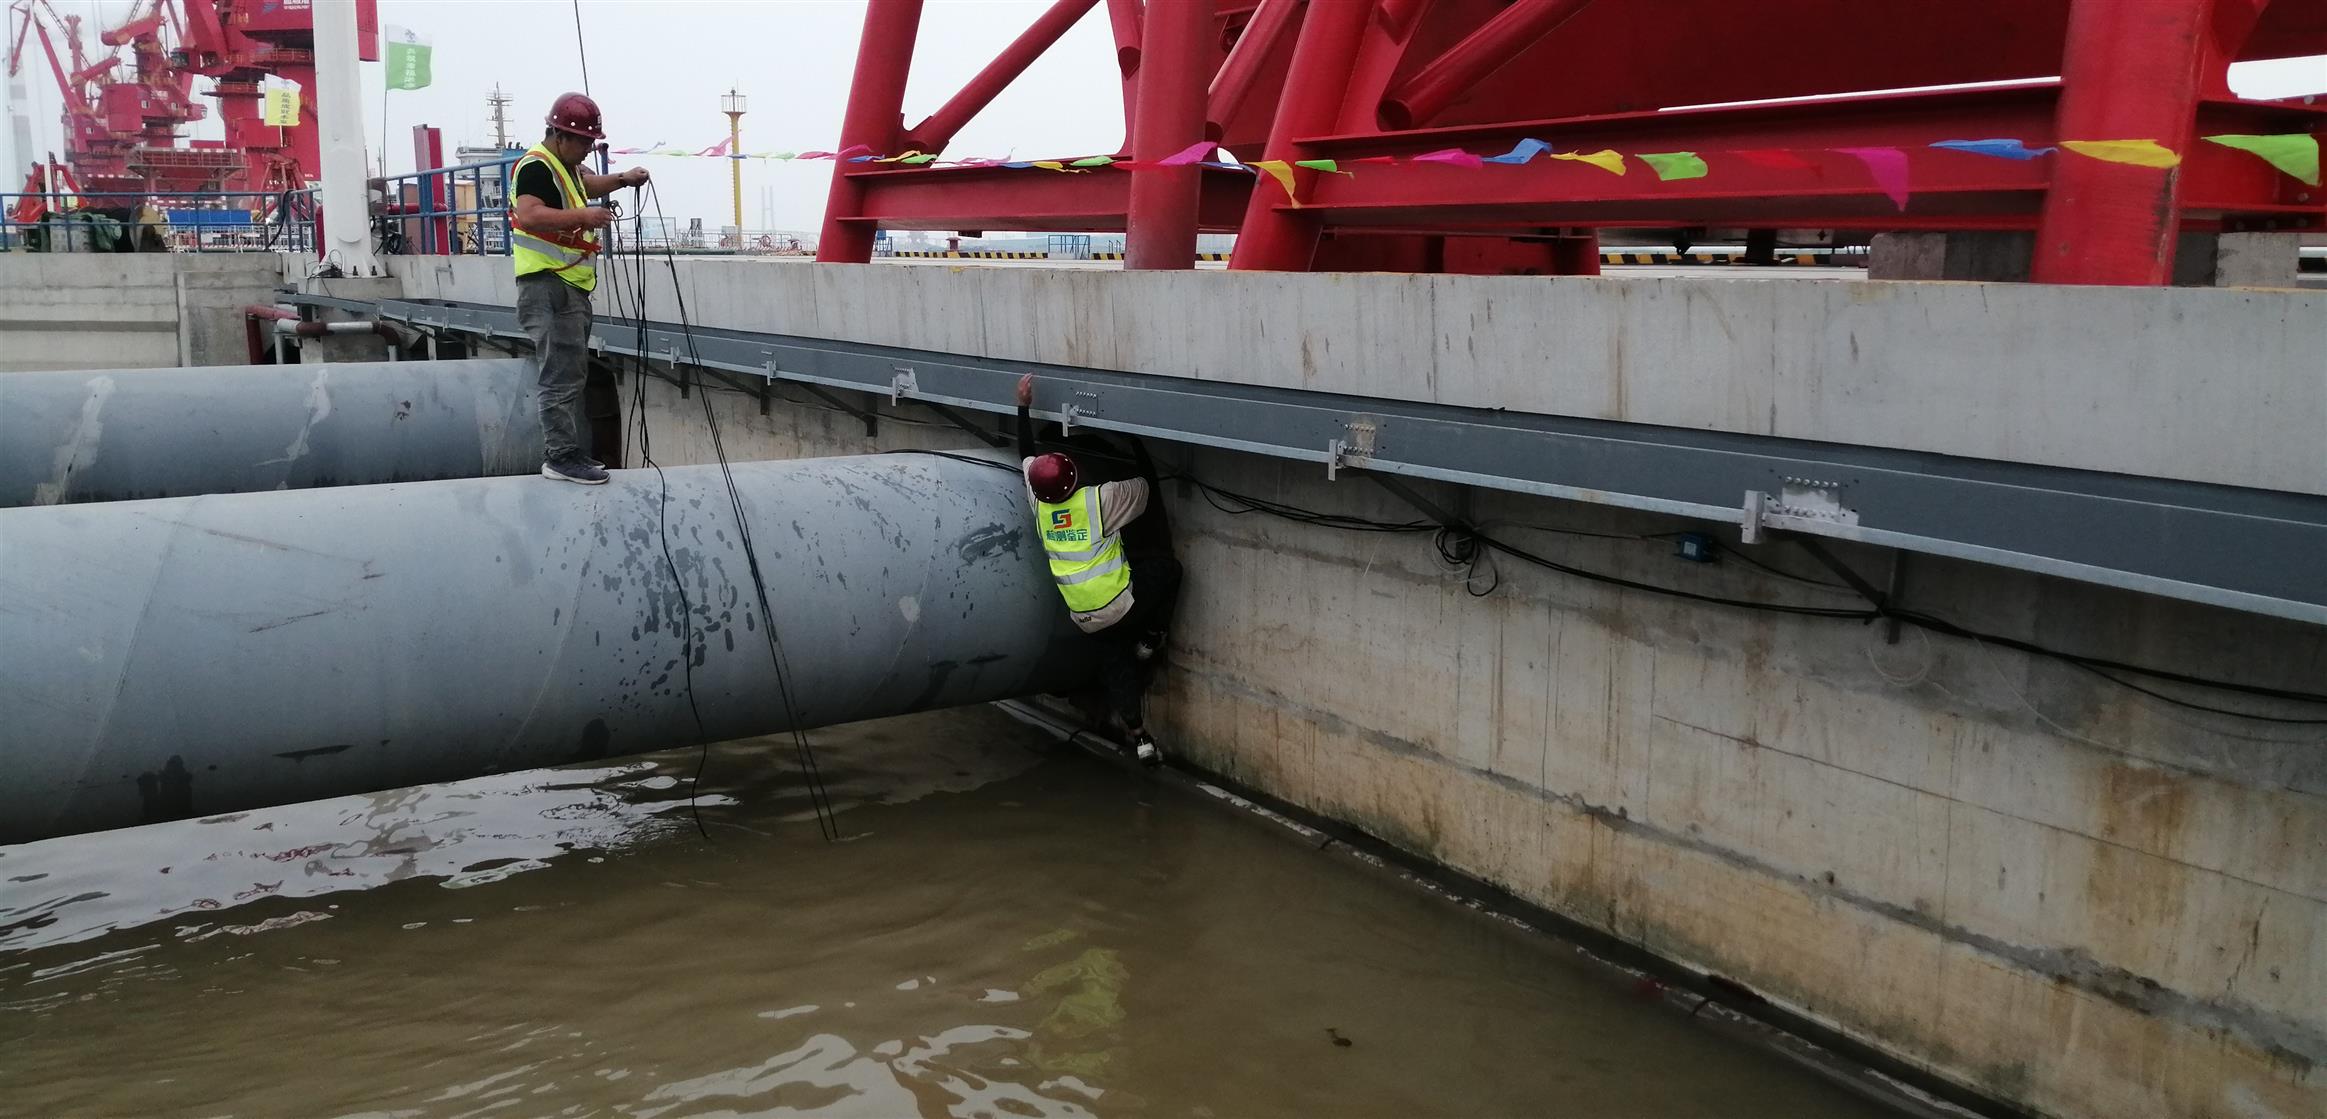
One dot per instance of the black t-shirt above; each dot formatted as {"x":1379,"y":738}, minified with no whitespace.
{"x":536,"y":179}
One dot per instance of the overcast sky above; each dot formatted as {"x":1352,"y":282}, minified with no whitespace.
{"x":658,"y":69}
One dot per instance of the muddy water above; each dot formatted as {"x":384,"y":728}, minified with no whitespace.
{"x":1007,"y":928}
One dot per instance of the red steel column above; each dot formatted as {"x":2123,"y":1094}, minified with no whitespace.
{"x":876,"y":107}
{"x":2132,"y":71}
{"x":1241,"y":69}
{"x":1123,"y":18}
{"x":1275,"y":238}
{"x":935,"y":133}
{"x":1160,"y":231}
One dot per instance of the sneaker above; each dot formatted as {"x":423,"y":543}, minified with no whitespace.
{"x":577,"y":470}
{"x":1145,"y":749}
{"x":594,"y":462}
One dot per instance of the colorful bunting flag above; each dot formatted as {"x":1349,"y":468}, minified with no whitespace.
{"x":1520,"y":152}
{"x":2140,"y":153}
{"x":1674,"y":165}
{"x":1452,"y":157}
{"x":1282,"y":172}
{"x":1193,"y":153}
{"x":1606,"y":159}
{"x":2000,"y":149}
{"x":1889,"y":168}
{"x":2295,"y":153}
{"x":1777,"y":159}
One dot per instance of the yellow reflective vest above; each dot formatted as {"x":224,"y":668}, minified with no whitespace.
{"x":1086,"y":560}
{"x":567,"y":254}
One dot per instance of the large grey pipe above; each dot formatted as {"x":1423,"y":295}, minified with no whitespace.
{"x":161,"y":659}
{"x":114,"y":434}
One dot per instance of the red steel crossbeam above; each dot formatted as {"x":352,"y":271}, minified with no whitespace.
{"x":1359,"y":79}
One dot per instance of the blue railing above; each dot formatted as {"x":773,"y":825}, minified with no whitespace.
{"x":448,"y":210}
{"x":208,"y":221}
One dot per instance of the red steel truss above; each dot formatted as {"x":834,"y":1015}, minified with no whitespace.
{"x":1350,"y":79}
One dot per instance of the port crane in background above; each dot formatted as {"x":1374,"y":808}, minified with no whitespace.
{"x":123,"y":131}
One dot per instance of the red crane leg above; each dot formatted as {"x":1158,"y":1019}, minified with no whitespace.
{"x":1270,"y":23}
{"x":1275,"y":237}
{"x":1123,"y":19}
{"x":876,"y":106}
{"x":2130,"y":71}
{"x":1450,"y":75}
{"x":935,"y":133}
{"x":1160,"y":231}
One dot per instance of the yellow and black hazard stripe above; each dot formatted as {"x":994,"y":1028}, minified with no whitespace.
{"x":1701,"y":258}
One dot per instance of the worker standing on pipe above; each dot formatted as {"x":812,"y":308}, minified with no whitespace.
{"x":554,"y":233}
{"x":1123,"y":600}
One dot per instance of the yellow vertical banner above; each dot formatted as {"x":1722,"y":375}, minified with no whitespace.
{"x":279,"y":106}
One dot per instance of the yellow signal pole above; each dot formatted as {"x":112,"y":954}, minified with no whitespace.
{"x":732,"y":104}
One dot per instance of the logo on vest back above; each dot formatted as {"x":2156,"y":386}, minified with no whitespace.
{"x":1063,"y":530}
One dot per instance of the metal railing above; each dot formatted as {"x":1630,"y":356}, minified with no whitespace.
{"x":205,"y":221}
{"x":443,"y":211}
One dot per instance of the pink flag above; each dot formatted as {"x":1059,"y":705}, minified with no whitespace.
{"x":1452,"y":157}
{"x":1193,"y":153}
{"x":719,"y":148}
{"x":1889,"y":168}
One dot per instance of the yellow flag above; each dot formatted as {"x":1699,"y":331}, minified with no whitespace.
{"x":279,"y":107}
{"x":1282,"y":172}
{"x":1606,"y":159}
{"x":1055,"y":165}
{"x":2140,"y":153}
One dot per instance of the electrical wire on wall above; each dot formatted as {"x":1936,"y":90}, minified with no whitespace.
{"x":1471,"y":546}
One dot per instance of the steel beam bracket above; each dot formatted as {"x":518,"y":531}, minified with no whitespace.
{"x":902,"y":383}
{"x":1800,"y":503}
{"x":1354,"y":448}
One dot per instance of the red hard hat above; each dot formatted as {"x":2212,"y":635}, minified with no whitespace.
{"x":1052,"y":477}
{"x":576,"y":114}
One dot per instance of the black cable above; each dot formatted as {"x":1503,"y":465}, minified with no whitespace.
{"x":663,"y":533}
{"x":1452,"y":548}
{"x":584,"y":51}
{"x":819,"y":798}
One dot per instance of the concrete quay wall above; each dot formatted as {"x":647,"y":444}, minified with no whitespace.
{"x":1995,"y":867}
{"x":2210,"y":385}
{"x":129,"y":310}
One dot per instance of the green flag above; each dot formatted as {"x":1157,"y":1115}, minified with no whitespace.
{"x":407,"y":58}
{"x":2295,"y":153}
{"x":1674,"y":165}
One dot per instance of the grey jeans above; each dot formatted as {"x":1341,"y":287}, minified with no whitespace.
{"x":556,"y":315}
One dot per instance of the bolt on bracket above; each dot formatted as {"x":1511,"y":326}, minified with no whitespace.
{"x":1802,"y":503}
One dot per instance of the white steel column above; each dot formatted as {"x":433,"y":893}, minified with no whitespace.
{"x":339,"y":113}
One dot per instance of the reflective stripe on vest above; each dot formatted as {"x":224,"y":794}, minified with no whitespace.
{"x":1086,"y":561}
{"x":567,"y":254}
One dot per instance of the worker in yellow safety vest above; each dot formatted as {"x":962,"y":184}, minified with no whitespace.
{"x":1120,"y":591}
{"x":553,"y":236}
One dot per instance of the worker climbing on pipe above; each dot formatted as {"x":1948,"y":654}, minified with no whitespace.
{"x":554,"y":233}
{"x":1122,"y":596}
